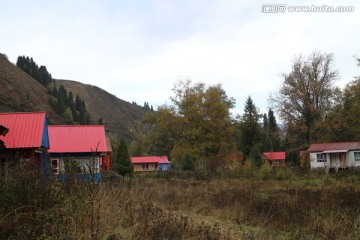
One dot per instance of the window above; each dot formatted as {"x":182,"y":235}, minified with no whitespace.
{"x":81,"y":165}
{"x":321,"y":157}
{"x":55,"y":166}
{"x":357,"y":156}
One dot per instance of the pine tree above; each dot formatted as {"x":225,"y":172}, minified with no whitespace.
{"x":122,"y":163}
{"x":274,"y":132}
{"x":266,"y":141}
{"x":255,"y":156}
{"x":249,"y":127}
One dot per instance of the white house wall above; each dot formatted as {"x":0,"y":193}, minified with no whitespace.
{"x":315,"y":164}
{"x":350,"y":160}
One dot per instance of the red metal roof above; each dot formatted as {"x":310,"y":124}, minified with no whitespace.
{"x":150,"y":159}
{"x":77,"y":139}
{"x":25,"y":129}
{"x":274,"y":155}
{"x":320,"y":147}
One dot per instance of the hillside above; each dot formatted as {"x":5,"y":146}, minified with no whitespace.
{"x":121,"y":118}
{"x":21,"y":93}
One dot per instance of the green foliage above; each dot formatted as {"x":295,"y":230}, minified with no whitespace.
{"x":255,"y":156}
{"x":249,"y":127}
{"x":264,"y":171}
{"x":29,"y":66}
{"x":198,"y":124}
{"x":61,"y":100}
{"x":122,"y":163}
{"x":68,"y":116}
{"x":283,"y":173}
{"x":346,"y":115}
{"x":188,"y":163}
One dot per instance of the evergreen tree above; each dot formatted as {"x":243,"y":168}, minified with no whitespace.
{"x":122,"y":163}
{"x":249,"y":127}
{"x":255,"y":156}
{"x":29,"y":66}
{"x":274,"y":132}
{"x":78,"y":112}
{"x":265,"y":138}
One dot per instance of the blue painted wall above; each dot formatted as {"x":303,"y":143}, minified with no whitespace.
{"x":164,"y":166}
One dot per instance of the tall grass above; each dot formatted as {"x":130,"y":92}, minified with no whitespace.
{"x":313,"y":206}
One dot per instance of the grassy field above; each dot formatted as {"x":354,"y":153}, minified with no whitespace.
{"x":294,"y":206}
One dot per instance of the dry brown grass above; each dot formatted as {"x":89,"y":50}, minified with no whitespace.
{"x":149,"y":207}
{"x":233,"y":209}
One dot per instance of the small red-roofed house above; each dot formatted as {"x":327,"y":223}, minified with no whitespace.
{"x":151,"y":164}
{"x":25,"y":140}
{"x":81,"y":150}
{"x":275,"y":159}
{"x":334,"y":155}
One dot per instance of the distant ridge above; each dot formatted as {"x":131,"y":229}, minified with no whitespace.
{"x":122,"y":119}
{"x":19,"y":92}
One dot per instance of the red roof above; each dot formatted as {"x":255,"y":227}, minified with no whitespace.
{"x":274,"y":155}
{"x":319,"y":147}
{"x":77,"y":139}
{"x":26,"y":130}
{"x":150,"y":159}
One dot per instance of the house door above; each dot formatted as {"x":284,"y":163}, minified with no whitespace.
{"x":342,"y":160}
{"x":332,"y":160}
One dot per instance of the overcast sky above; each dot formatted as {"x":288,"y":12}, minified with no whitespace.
{"x":137,"y":50}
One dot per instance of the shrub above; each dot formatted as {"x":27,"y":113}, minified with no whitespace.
{"x":264,"y":172}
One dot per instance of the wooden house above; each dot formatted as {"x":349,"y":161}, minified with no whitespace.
{"x":151,"y":164}
{"x":80,"y":151}
{"x":25,"y":140}
{"x":274,"y":159}
{"x":335,"y":155}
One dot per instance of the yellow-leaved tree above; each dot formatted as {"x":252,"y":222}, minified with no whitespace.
{"x":197,"y":126}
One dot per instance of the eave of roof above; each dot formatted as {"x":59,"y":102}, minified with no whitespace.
{"x":320,"y":147}
{"x":275,"y":155}
{"x":150,"y":159}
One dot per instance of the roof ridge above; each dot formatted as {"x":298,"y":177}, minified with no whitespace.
{"x":7,"y":113}
{"x":335,"y":142}
{"x":95,"y":125}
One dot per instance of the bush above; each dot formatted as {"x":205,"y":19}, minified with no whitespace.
{"x":264,"y":172}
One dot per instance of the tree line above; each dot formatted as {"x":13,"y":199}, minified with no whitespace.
{"x":71,"y":108}
{"x":198,"y":131}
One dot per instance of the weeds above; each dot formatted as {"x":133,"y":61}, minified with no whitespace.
{"x":258,"y":207}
